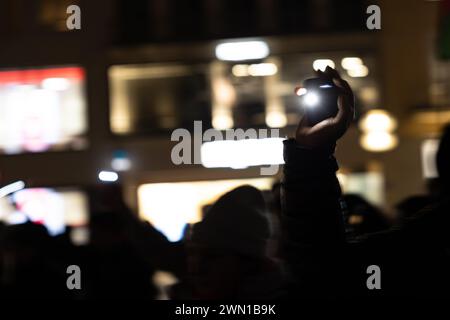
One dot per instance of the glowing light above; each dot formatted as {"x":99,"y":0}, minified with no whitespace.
{"x":242,"y":153}
{"x":240,"y":70}
{"x":121,"y":164}
{"x":301,"y":91}
{"x":53,"y":209}
{"x":369,"y":94}
{"x":120,"y":161}
{"x":262,"y":69}
{"x":255,"y":70}
{"x":42,"y":206}
{"x":108,"y":176}
{"x":378,"y":126}
{"x":16,"y":218}
{"x":156,"y":203}
{"x":311,"y":99}
{"x":243,"y":50}
{"x":79,"y":236}
{"x":222,"y":121}
{"x":429,"y":150}
{"x":56,"y":84}
{"x":321,"y":64}
{"x":358,"y":72}
{"x":377,"y":120}
{"x":276,"y":119}
{"x":224,"y":92}
{"x":11,"y":188}
{"x":350,"y":63}
{"x":379,"y":141}
{"x":37,"y":112}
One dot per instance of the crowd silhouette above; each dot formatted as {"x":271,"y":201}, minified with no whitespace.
{"x":303,"y":239}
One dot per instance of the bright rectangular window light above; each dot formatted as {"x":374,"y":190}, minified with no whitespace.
{"x":242,"y":50}
{"x":156,"y":203}
{"x":53,"y":208}
{"x":429,"y":151}
{"x":238,"y":154}
{"x":42,"y":109}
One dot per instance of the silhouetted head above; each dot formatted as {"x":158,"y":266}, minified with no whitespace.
{"x":237,"y":222}
{"x":106,"y":198}
{"x":443,"y":159}
{"x":229,"y":244}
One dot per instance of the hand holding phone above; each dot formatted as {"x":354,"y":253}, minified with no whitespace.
{"x":328,"y":114}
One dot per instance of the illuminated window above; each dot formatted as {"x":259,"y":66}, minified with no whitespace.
{"x":42,"y":109}
{"x":152,"y":98}
{"x":55,"y":209}
{"x":170,"y":217}
{"x":157,"y":98}
{"x":370,"y":185}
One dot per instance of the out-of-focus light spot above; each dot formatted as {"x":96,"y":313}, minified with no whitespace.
{"x":56,"y":84}
{"x":108,"y":176}
{"x":350,"y":63}
{"x":240,"y":70}
{"x":262,"y":69}
{"x":79,"y":236}
{"x":311,"y":99}
{"x":321,"y":64}
{"x":164,"y":281}
{"x":222,"y":121}
{"x":42,"y":206}
{"x":276,"y":119}
{"x":242,"y":50}
{"x":120,"y":161}
{"x":300,"y":91}
{"x":369,"y":94}
{"x":242,"y":153}
{"x":355,"y":219}
{"x":358,"y":72}
{"x":378,"y":126}
{"x":429,"y":150}
{"x":379,"y":141}
{"x":377,"y":120}
{"x":11,"y":188}
{"x":224,"y":92}
{"x":121,"y":164}
{"x":16,"y":218}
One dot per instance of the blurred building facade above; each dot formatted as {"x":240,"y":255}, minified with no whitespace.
{"x":150,"y":68}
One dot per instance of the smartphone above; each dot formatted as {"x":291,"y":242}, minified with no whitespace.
{"x":320,"y":100}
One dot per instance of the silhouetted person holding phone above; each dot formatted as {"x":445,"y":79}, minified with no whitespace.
{"x":324,"y":261}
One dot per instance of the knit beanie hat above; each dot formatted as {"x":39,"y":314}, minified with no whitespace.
{"x":237,"y":222}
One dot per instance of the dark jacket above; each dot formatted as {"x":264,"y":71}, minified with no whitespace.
{"x":325,"y":261}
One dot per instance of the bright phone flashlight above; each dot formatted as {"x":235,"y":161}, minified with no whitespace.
{"x":311,"y":99}
{"x":300,"y":91}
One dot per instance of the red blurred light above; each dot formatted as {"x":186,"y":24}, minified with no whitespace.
{"x":36,"y":76}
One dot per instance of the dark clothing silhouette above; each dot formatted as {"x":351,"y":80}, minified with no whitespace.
{"x":325,"y":262}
